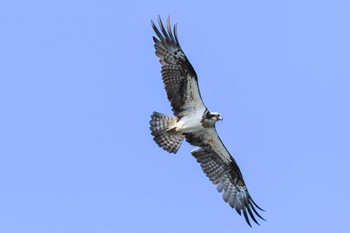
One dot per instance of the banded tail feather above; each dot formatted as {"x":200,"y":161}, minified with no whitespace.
{"x":160,"y":125}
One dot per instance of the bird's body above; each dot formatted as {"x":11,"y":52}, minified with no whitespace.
{"x":195,"y":123}
{"x":188,"y":124}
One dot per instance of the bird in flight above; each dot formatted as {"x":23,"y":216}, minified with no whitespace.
{"x":194,"y":122}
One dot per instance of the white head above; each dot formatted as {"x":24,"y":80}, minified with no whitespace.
{"x":215,"y":116}
{"x":210,"y":118}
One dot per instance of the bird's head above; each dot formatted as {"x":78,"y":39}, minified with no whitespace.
{"x":215,"y":116}
{"x":211,"y":118}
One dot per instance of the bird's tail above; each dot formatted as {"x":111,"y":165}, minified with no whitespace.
{"x":160,"y":125}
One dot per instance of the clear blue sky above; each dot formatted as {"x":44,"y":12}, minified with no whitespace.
{"x":79,"y":80}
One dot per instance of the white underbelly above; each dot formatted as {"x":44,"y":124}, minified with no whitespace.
{"x":189,"y":124}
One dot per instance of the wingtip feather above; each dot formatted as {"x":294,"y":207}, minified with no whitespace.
{"x":246,"y":217}
{"x":252,"y":215}
{"x":257,"y":205}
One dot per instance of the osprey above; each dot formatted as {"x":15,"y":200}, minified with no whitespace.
{"x":195,"y":123}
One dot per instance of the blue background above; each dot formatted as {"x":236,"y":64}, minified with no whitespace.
{"x":79,"y":80}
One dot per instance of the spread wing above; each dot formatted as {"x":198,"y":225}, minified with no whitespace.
{"x":223,"y":171}
{"x":179,"y":77}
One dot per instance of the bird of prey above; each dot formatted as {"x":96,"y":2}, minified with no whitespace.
{"x":194,"y":122}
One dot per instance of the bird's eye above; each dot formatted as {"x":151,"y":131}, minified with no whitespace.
{"x":208,"y":115}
